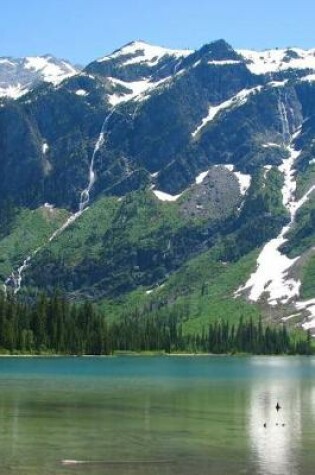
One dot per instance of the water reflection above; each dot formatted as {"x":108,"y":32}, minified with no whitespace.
{"x":138,"y":423}
{"x":15,"y":428}
{"x":275,"y":448}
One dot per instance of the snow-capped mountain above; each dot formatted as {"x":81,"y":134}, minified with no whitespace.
{"x":219,"y":143}
{"x":277,"y":60}
{"x":141,"y":52}
{"x":136,"y":68}
{"x":19,"y":75}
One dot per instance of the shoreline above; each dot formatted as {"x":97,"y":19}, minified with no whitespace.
{"x":144,"y":354}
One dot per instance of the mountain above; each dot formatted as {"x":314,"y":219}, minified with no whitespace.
{"x":157,"y":181}
{"x":19,"y":75}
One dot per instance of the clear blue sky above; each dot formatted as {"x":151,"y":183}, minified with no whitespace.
{"x":81,"y":30}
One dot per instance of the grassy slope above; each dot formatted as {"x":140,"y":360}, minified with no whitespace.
{"x":202,"y":291}
{"x":30,"y":229}
{"x":118,"y":244}
{"x":308,"y":279}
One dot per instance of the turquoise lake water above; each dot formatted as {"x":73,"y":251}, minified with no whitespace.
{"x":157,"y":415}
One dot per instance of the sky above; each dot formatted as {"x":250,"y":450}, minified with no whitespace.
{"x":82,"y":30}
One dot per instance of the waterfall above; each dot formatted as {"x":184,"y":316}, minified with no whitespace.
{"x":284,"y":121}
{"x":85,"y":194}
{"x":15,"y":278}
{"x":271,"y":275}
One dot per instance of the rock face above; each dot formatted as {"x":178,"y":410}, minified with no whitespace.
{"x":209,"y":131}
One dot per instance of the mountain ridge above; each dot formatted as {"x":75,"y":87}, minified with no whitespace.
{"x":19,"y":75}
{"x":193,"y":154}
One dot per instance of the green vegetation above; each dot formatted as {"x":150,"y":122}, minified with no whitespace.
{"x":118,"y":245}
{"x":199,"y":293}
{"x":305,"y":180}
{"x":28,"y":230}
{"x":302,"y":235}
{"x":55,"y":326}
{"x":308,"y":279}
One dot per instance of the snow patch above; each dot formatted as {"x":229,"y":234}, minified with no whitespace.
{"x":137,"y":88}
{"x":25,"y":72}
{"x":199,"y":179}
{"x":271,"y":275}
{"x":244,"y":182}
{"x":81,"y":92}
{"x":289,"y":317}
{"x":162,"y":196}
{"x":6,"y":61}
{"x":13,"y":92}
{"x":236,"y":101}
{"x":309,"y":78}
{"x":277,"y":83}
{"x":243,"y":179}
{"x":309,"y":306}
{"x":228,"y":167}
{"x":271,"y":145}
{"x":270,"y":61}
{"x":225,"y":62}
{"x":49,"y":70}
{"x":144,"y":53}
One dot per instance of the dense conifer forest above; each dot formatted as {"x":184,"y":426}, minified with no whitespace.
{"x":56,"y":326}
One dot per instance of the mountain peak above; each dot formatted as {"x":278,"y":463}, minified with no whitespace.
{"x":18,"y":75}
{"x":219,"y":50}
{"x":141,"y":51}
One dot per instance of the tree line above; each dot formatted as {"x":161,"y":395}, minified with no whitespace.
{"x":54,"y":325}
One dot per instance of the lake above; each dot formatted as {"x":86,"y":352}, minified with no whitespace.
{"x":157,"y":415}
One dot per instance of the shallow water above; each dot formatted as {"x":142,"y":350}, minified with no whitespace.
{"x":157,"y":415}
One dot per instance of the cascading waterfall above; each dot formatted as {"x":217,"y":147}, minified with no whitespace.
{"x":15,"y":278}
{"x":271,"y":275}
{"x":85,"y":194}
{"x":286,"y":134}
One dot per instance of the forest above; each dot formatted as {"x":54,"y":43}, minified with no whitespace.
{"x":53,"y":325}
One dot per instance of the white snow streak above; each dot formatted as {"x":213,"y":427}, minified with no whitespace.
{"x":277,"y":83}
{"x":271,"y":145}
{"x":162,"y":196}
{"x":136,"y":87}
{"x":224,"y":62}
{"x":271,"y":275}
{"x":309,"y":78}
{"x":199,"y":179}
{"x":236,"y":101}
